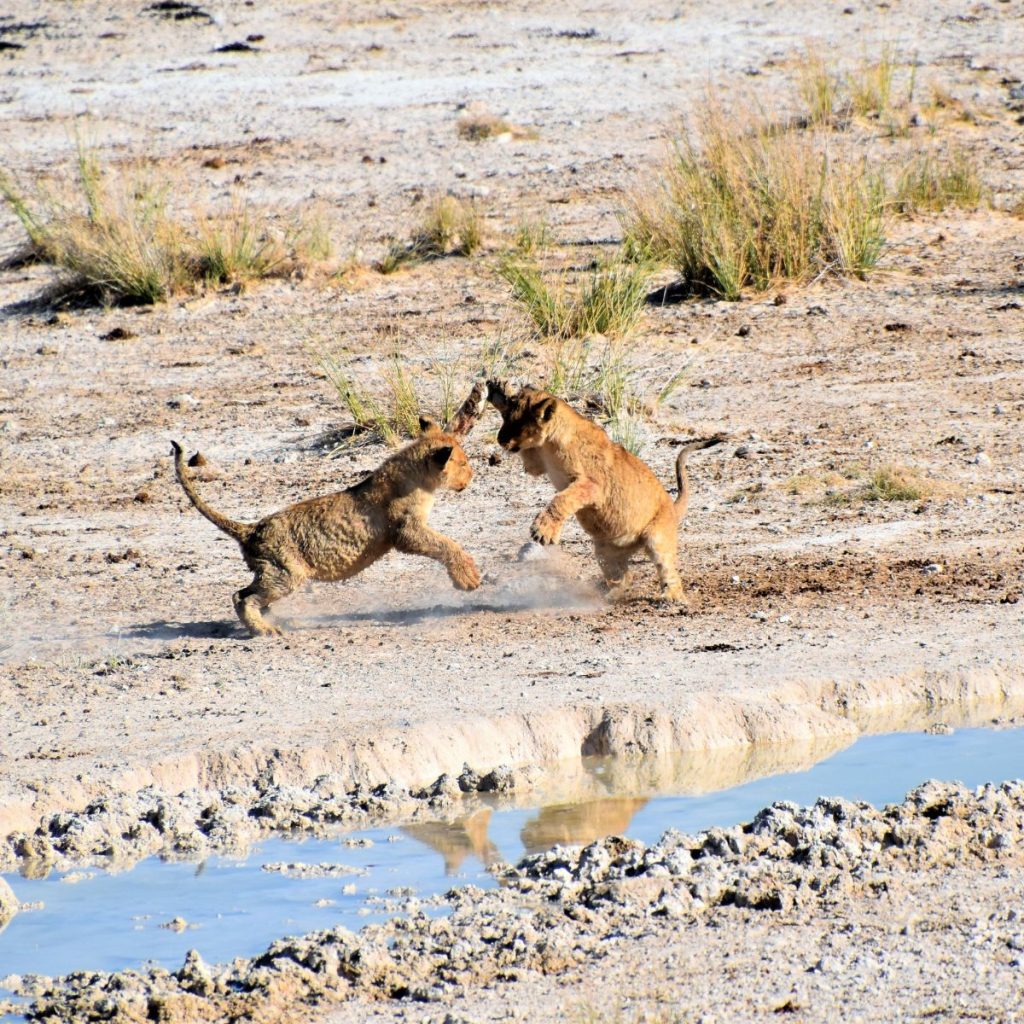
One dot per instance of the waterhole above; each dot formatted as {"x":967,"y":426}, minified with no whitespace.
{"x":227,"y":906}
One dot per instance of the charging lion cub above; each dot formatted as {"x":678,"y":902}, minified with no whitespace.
{"x":615,"y":496}
{"x":338,"y":535}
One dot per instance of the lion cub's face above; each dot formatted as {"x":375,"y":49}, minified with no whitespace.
{"x":457,"y":472}
{"x":526,"y":419}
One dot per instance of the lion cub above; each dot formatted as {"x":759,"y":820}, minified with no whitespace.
{"x":615,"y":496}
{"x":338,"y":535}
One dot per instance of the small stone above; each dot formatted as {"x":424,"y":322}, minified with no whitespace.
{"x":183,"y":401}
{"x":118,"y":334}
{"x":500,"y":780}
{"x":743,"y":452}
{"x":982,"y":459}
{"x":743,"y":331}
{"x":933,"y":568}
{"x":176,"y":924}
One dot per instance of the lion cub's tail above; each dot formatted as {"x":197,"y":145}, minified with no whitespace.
{"x":240,"y":531}
{"x":682,"y":482}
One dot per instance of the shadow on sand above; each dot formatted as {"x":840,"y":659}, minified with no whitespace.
{"x":163,"y":629}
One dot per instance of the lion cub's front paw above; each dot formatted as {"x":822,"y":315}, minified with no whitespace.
{"x":545,"y":529}
{"x":675,"y":595}
{"x":465,"y":575}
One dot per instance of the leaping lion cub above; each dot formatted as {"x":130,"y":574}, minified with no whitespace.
{"x":614,"y":496}
{"x":338,"y":535}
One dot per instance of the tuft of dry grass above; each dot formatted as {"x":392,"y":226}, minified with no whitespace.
{"x":819,"y":87}
{"x":450,"y":227}
{"x":390,"y":418}
{"x":607,"y":301}
{"x":743,"y":203}
{"x":531,"y":237}
{"x":386,"y":404}
{"x":895,"y":482}
{"x":809,"y":483}
{"x":114,"y":237}
{"x":932,"y":181}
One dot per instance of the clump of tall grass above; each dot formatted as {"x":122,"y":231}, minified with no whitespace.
{"x":450,"y":227}
{"x":932,"y":182}
{"x":742,"y":203}
{"x":872,"y":87}
{"x":609,"y":300}
{"x":388,"y":404}
{"x":115,"y":237}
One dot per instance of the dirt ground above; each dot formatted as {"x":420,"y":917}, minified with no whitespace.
{"x":121,"y":661}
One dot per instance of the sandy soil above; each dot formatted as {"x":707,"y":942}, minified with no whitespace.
{"x":121,"y":663}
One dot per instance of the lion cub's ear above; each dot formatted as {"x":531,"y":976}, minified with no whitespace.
{"x":440,"y":456}
{"x":546,"y":410}
{"x":428,"y":426}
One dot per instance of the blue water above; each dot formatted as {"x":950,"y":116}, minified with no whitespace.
{"x":234,"y":908}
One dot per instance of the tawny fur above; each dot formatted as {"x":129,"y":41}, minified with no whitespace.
{"x":338,"y":535}
{"x":613,"y":494}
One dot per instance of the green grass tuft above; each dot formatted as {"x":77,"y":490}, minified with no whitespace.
{"x":609,"y":300}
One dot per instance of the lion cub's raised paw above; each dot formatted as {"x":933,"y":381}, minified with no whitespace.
{"x":546,"y":529}
{"x":465,"y":575}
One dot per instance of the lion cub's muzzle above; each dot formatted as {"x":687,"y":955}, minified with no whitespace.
{"x":459,"y":478}
{"x":509,"y":443}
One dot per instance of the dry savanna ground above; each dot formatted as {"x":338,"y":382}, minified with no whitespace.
{"x":277,"y":175}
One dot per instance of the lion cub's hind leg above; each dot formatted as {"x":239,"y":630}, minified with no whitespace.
{"x":614,"y":562}
{"x":270,"y":583}
{"x":662,"y":544}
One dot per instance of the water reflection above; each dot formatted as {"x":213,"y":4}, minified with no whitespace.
{"x":455,"y":840}
{"x":578,"y":824}
{"x":590,"y":798}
